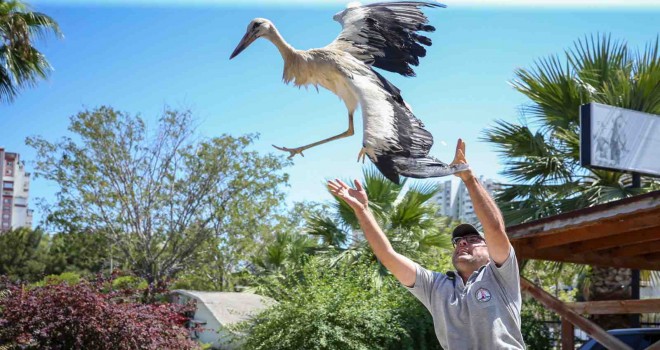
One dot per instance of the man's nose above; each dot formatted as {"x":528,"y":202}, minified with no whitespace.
{"x":462,"y":242}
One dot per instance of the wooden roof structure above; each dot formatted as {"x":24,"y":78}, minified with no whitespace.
{"x":623,"y":233}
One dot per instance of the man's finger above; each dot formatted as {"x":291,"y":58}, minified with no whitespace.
{"x":342,"y":183}
{"x":358,"y":185}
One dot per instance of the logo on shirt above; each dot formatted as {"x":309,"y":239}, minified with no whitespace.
{"x":483,"y":295}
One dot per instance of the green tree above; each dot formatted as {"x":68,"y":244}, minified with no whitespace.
{"x":281,"y":249}
{"x":23,"y":254}
{"x":541,"y":152}
{"x":87,"y":253}
{"x":21,"y":64}
{"x":160,"y":195}
{"x":342,"y":308}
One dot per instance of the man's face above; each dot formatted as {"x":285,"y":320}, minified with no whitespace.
{"x":470,"y":253}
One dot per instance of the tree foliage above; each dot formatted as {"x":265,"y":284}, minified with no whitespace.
{"x":159,"y":195}
{"x":87,"y":253}
{"x":342,"y":308}
{"x":23,"y":254}
{"x":541,"y":152}
{"x":21,"y":64}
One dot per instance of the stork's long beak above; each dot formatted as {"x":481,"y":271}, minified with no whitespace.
{"x":248,"y":38}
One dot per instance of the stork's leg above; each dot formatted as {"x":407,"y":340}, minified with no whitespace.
{"x":299,"y":150}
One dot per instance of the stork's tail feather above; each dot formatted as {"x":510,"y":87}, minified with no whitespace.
{"x":419,"y":168}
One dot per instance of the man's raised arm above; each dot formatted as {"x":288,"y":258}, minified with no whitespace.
{"x":487,"y":211}
{"x":400,"y":266}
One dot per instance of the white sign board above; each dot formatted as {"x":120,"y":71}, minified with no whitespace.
{"x":619,"y":139}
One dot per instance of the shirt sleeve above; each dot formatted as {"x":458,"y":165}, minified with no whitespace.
{"x":509,"y":273}
{"x":423,"y":285}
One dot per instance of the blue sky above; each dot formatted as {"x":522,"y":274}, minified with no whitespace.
{"x":140,"y":56}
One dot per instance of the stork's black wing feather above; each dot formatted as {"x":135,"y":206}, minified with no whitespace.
{"x":385,"y":34}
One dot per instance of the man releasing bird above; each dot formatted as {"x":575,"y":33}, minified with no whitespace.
{"x":382,"y":35}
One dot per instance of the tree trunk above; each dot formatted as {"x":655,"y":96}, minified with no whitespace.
{"x":608,"y":283}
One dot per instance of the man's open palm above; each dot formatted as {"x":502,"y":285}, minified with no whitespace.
{"x":355,"y":197}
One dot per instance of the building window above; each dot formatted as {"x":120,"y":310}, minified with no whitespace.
{"x":8,"y":185}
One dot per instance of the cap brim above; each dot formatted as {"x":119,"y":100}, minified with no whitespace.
{"x":465,"y":230}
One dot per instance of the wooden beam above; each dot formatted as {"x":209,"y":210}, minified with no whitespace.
{"x":646,"y":262}
{"x":636,"y":249}
{"x":613,"y":307}
{"x":644,"y":204}
{"x":597,"y":229}
{"x":571,"y":316}
{"x":638,"y":236}
{"x":567,"y":335}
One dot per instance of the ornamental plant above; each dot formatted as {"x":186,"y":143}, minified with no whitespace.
{"x":79,"y":316}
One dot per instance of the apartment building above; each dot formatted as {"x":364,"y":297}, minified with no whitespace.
{"x":15,"y":192}
{"x":457,"y":203}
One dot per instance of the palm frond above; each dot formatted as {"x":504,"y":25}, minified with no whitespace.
{"x":328,"y":229}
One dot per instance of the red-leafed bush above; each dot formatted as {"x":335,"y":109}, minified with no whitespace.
{"x":63,"y":316}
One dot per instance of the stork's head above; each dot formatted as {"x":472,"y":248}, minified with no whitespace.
{"x":257,"y":28}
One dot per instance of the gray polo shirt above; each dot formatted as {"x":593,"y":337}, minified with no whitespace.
{"x":483,"y":314}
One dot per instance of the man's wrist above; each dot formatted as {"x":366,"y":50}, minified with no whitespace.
{"x":467,"y":176}
{"x":362,"y":209}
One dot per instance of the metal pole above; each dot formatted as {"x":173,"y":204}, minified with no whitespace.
{"x":635,"y":278}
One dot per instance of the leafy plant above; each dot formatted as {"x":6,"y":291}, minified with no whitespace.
{"x":342,"y":308}
{"x":79,"y":316}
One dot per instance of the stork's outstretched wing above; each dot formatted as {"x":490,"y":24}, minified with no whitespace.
{"x":394,"y":139}
{"x":385,"y":34}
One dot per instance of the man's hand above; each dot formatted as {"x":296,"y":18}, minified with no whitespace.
{"x":459,"y":158}
{"x":355,"y":198}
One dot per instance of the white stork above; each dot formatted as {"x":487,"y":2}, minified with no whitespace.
{"x":382,"y":35}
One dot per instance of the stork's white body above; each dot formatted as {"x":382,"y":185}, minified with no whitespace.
{"x":352,"y":81}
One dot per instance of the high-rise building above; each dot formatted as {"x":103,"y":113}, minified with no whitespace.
{"x":15,"y":192}
{"x":459,"y":205}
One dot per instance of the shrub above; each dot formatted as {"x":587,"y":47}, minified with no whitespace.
{"x":70,"y":278}
{"x":534,"y":331}
{"x":342,"y":308}
{"x":66,"y":316}
{"x":129,"y":282}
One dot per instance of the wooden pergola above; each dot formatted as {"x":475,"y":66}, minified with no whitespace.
{"x":623,"y":233}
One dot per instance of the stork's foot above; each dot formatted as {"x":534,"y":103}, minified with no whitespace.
{"x":362,"y":155}
{"x":292,"y":151}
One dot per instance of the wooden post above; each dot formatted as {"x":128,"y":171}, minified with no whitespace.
{"x":567,"y":335}
{"x":569,"y":315}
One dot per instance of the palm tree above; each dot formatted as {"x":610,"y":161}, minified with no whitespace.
{"x":409,"y":219}
{"x":279,"y":262}
{"x":21,"y":65}
{"x":541,"y":152}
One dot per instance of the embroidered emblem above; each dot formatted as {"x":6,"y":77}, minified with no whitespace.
{"x":483,"y":295}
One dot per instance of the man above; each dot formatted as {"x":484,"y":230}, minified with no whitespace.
{"x":478,"y":305}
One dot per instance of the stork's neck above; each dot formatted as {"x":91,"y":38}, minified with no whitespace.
{"x":286,"y":50}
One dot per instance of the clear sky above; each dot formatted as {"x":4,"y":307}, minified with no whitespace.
{"x":140,"y":56}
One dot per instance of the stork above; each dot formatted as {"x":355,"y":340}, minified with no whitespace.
{"x":382,"y":35}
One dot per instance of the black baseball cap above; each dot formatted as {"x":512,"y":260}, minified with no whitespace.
{"x":465,"y":230}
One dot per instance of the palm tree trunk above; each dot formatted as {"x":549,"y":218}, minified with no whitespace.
{"x":609,"y":283}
